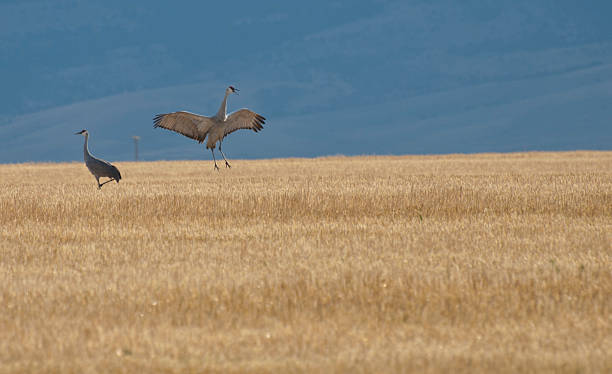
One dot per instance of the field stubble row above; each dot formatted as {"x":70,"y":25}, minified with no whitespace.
{"x":471,"y":263}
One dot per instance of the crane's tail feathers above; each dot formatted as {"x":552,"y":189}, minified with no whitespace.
{"x":117,"y":175}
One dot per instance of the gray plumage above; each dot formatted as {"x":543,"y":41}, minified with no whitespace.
{"x":216,"y":128}
{"x":99,"y":168}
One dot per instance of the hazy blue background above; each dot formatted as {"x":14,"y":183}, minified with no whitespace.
{"x":350,"y":77}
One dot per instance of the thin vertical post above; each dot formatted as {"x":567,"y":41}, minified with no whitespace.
{"x":136,"y":139}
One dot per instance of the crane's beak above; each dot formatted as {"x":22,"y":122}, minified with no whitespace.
{"x":77,"y":133}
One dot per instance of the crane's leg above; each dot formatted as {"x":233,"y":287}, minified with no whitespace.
{"x":99,"y":185}
{"x":227,"y":165}
{"x":110,"y":180}
{"x":214,"y":159}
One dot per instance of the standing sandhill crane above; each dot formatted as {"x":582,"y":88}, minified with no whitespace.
{"x":216,"y":127}
{"x":99,"y":168}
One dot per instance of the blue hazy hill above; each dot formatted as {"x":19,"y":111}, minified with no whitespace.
{"x":363,"y":77}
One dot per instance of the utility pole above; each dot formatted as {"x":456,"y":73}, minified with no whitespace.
{"x":136,"y":139}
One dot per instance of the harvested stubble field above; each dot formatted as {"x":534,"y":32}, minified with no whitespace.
{"x":459,"y":263}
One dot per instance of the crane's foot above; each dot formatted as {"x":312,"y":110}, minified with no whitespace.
{"x":99,"y":186}
{"x":216,"y":167}
{"x":227,"y":165}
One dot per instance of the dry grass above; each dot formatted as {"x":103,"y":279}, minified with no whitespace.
{"x":495,"y":263}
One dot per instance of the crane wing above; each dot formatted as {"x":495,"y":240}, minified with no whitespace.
{"x":102,"y":168}
{"x":244,"y":119}
{"x":191,"y":125}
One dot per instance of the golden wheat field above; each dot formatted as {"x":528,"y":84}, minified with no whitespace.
{"x":458,"y":263}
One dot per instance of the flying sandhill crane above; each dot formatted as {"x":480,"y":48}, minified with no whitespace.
{"x":99,"y":168}
{"x":216,"y":127}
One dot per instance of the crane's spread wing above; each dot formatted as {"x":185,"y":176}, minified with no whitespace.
{"x":191,"y":125}
{"x":244,"y":119}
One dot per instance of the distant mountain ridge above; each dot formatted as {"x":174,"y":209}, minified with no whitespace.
{"x":375,"y":77}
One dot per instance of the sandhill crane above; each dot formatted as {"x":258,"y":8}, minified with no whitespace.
{"x":216,"y":127}
{"x":99,"y":168}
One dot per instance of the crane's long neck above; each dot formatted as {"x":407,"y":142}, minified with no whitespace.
{"x":222,"y":113}
{"x":85,"y":148}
